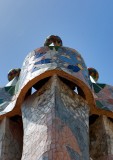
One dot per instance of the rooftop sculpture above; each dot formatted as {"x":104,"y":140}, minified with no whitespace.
{"x":66,"y":96}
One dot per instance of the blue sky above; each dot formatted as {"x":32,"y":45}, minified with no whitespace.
{"x":85,"y":25}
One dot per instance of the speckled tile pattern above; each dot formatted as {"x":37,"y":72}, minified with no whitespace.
{"x":55,"y":122}
{"x":10,"y":140}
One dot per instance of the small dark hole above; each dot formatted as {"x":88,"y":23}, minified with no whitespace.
{"x":39,"y":84}
{"x":93,"y":118}
{"x":16,"y":118}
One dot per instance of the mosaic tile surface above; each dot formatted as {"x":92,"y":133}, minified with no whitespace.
{"x":55,"y":124}
{"x":44,"y":59}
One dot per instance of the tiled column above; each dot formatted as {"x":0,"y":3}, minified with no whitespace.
{"x":101,"y":139}
{"x":10,"y":140}
{"x":55,"y":121}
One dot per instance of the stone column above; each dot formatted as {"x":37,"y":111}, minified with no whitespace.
{"x":55,"y":121}
{"x":10,"y":140}
{"x":101,"y":139}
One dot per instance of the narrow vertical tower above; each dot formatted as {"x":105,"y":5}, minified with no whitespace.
{"x":55,"y":123}
{"x":55,"y":117}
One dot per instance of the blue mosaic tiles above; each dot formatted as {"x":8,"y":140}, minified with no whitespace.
{"x":64,"y":58}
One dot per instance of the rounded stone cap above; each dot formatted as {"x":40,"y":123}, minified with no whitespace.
{"x":56,"y":40}
{"x":93,"y":73}
{"x":13,"y":73}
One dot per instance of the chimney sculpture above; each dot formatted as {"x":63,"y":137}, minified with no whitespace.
{"x":51,"y":110}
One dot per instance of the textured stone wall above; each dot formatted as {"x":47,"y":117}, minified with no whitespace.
{"x":10,"y":140}
{"x":55,"y":121}
{"x":101,"y":139}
